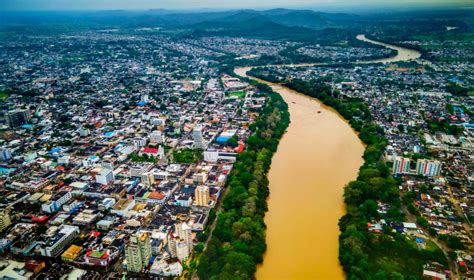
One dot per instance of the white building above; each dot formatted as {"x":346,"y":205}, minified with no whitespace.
{"x":54,"y":206}
{"x":211,"y":156}
{"x":156,"y":137}
{"x":62,"y":238}
{"x":137,"y":170}
{"x":182,"y":250}
{"x":166,"y":268}
{"x":84,"y":132}
{"x":139,"y":142}
{"x":427,"y":167}
{"x":184,"y":232}
{"x":401,"y":165}
{"x":105,"y":176}
{"x":199,"y":141}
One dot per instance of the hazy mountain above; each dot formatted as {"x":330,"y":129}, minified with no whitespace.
{"x":168,"y":18}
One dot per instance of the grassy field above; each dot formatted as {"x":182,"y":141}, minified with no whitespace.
{"x":239,"y":94}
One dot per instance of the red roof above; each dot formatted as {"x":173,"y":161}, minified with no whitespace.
{"x":150,"y":150}
{"x":39,"y":219}
{"x":156,"y":195}
{"x":240,"y":148}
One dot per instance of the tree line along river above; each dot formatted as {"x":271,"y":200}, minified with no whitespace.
{"x":318,"y":155}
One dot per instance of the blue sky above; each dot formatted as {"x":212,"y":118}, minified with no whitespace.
{"x":218,"y":4}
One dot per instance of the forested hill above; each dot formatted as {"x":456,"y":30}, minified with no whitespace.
{"x":298,"y":25}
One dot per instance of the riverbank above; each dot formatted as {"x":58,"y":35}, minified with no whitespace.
{"x":317,"y":156}
{"x":403,"y":54}
{"x":238,"y":243}
{"x":389,"y":254}
{"x":319,"y":171}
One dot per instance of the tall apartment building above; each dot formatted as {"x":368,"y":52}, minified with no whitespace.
{"x":184,"y":232}
{"x":401,"y":165}
{"x":180,"y":243}
{"x":201,"y":195}
{"x":428,"y":168}
{"x":199,"y":141}
{"x":138,"y":252}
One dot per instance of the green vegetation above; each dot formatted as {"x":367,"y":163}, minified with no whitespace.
{"x":444,"y":126}
{"x":25,"y":93}
{"x":365,"y":255}
{"x":233,"y":141}
{"x":187,"y":156}
{"x":239,"y":94}
{"x":453,"y":242}
{"x":3,"y":96}
{"x":238,"y":240}
{"x":144,"y":158}
{"x":457,"y":90}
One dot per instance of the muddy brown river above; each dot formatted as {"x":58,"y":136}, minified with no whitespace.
{"x":316,"y":158}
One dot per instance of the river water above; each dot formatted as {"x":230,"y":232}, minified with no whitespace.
{"x":316,"y":158}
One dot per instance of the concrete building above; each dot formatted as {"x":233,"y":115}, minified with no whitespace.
{"x":10,"y":269}
{"x":172,"y":245}
{"x":62,"y":238}
{"x":182,"y":250}
{"x":84,"y":132}
{"x":211,"y":156}
{"x":156,"y":137}
{"x":138,"y":252}
{"x":139,"y":142}
{"x":54,"y":206}
{"x":199,"y":141}
{"x":105,"y":177}
{"x":5,"y":154}
{"x":148,"y":178}
{"x":184,"y":232}
{"x":4,"y":219}
{"x":428,"y":168}
{"x":401,"y":165}
{"x":201,"y":195}
{"x":17,"y":117}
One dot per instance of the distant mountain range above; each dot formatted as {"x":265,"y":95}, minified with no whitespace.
{"x":196,"y":19}
{"x":303,"y":25}
{"x":291,"y":18}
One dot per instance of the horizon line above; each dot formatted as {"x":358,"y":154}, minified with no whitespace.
{"x":329,"y":6}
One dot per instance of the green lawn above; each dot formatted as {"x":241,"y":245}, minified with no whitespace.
{"x":239,"y":94}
